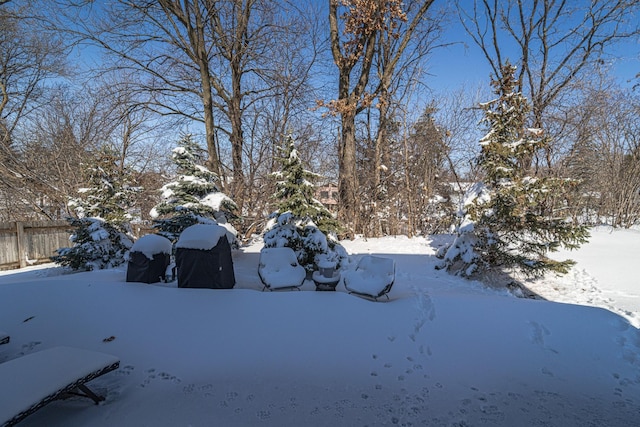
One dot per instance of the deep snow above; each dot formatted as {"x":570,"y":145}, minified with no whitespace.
{"x":443,"y":351}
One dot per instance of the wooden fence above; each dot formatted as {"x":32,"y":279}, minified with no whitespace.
{"x":26,"y":243}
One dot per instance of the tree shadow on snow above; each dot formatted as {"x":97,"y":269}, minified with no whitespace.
{"x":498,"y":280}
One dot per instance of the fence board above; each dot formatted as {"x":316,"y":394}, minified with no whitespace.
{"x":25,"y":243}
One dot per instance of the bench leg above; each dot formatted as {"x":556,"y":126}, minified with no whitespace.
{"x":83,"y":391}
{"x":90,"y":394}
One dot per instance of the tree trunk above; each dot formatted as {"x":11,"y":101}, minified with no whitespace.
{"x":236,"y":152}
{"x":347,"y":182}
{"x":381,"y":157}
{"x":213,"y":162}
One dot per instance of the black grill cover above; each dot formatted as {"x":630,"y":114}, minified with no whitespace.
{"x":211,"y":268}
{"x":145,"y":270}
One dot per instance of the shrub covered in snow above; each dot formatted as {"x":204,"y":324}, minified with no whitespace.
{"x":96,"y":245}
{"x":308,"y":242}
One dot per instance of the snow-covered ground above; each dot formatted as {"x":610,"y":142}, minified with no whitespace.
{"x":442,"y":352}
{"x":606,"y":275}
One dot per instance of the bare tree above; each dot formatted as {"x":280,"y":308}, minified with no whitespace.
{"x":207,"y":61}
{"x":397,"y":70}
{"x":605,"y":157}
{"x":204,"y":60}
{"x":285,"y":109}
{"x":27,"y":60}
{"x":551,"y":41}
{"x":353,"y":46}
{"x":65,"y":132}
{"x":427,"y":175}
{"x":458,"y":114}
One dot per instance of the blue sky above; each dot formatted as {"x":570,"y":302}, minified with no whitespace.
{"x":452,"y":66}
{"x":462,"y":62}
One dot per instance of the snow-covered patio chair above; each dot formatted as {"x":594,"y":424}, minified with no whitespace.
{"x":279,"y":269}
{"x":372,"y":278}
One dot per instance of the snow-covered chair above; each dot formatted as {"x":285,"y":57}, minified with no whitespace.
{"x":4,"y":338}
{"x":149,"y":258}
{"x":372,"y":278}
{"x":30,"y":382}
{"x":279,"y":269}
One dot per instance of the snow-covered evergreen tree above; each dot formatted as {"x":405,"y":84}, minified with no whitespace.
{"x":301,"y":222}
{"x":193,"y":197}
{"x":109,"y":194}
{"x":97,"y":244}
{"x":102,"y":233}
{"x":512,"y":220}
{"x":295,"y":191}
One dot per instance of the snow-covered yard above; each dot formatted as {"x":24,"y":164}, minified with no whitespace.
{"x":443,"y":351}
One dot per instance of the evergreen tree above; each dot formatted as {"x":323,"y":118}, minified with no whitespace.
{"x":194,"y":197}
{"x":109,"y":194}
{"x":512,"y":220}
{"x":301,"y":222}
{"x":97,"y":244}
{"x":102,"y":233}
{"x":295,"y":191}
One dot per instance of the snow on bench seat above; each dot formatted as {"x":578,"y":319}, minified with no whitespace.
{"x":4,"y":337}
{"x":30,"y":382}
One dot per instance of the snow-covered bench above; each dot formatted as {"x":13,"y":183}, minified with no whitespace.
{"x":30,"y":382}
{"x":279,"y":269}
{"x":4,"y":338}
{"x":372,"y":278}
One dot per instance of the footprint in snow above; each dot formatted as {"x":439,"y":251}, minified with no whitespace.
{"x":169,"y":377}
{"x":621,"y":324}
{"x":152,"y":375}
{"x":125,"y":370}
{"x":538,"y":332}
{"x":26,"y":348}
{"x":547,"y":372}
{"x":426,"y":306}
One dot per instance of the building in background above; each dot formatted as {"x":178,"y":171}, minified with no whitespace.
{"x":328,"y":195}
